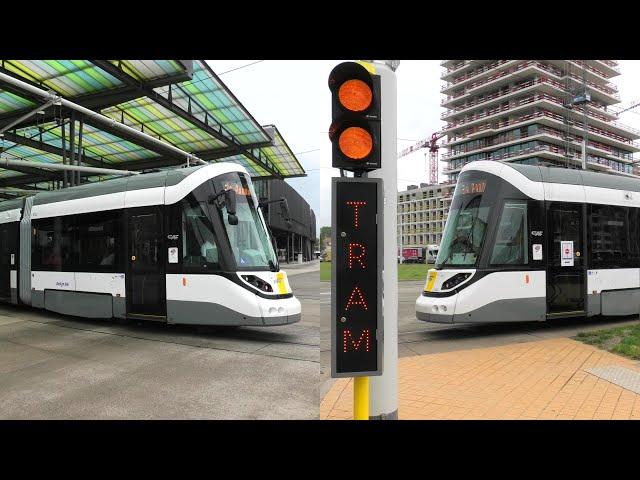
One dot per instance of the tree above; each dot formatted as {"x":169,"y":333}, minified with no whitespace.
{"x":325,"y":235}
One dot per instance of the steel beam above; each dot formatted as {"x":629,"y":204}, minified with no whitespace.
{"x":45,"y":147}
{"x":67,"y":168}
{"x":27,"y":115}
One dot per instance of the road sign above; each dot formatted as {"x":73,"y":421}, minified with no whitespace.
{"x":356,"y":289}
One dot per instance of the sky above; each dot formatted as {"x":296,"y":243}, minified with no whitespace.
{"x":294,"y":96}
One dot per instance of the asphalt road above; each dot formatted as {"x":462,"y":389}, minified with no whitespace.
{"x":58,"y":367}
{"x":418,"y":338}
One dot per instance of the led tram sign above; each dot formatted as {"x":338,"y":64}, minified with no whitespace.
{"x":467,"y":188}
{"x":356,"y":303}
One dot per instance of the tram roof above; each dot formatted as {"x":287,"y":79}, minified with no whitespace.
{"x":165,"y":178}
{"x":181,"y":102}
{"x":561,"y":175}
{"x":571,"y":176}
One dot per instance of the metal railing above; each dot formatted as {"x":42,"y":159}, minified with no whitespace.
{"x":540,"y":113}
{"x":516,"y":88}
{"x":609,"y":90}
{"x":537,"y":149}
{"x":540,"y":131}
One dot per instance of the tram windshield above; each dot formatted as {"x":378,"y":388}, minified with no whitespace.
{"x":248,"y":239}
{"x":466,"y":225}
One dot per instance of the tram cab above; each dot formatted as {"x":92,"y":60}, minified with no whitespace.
{"x":531,"y":243}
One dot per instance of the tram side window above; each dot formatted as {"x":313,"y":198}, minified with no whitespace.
{"x":53,"y":246}
{"x":634,"y":236}
{"x":511,"y":245}
{"x":610,"y":246}
{"x":98,"y":241}
{"x":199,"y":246}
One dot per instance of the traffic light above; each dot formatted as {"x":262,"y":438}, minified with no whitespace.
{"x":355,"y":114}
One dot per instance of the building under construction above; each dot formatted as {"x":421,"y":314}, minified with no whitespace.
{"x":537,"y":112}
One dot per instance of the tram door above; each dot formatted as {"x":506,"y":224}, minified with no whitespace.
{"x":8,"y":257}
{"x":565,"y":272}
{"x":145,"y":277}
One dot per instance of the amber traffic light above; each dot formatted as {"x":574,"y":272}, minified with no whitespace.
{"x":355,"y":111}
{"x":355,"y":95}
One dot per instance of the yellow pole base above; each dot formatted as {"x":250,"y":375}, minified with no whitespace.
{"x":361,"y":398}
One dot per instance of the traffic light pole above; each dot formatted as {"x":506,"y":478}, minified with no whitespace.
{"x":383,"y":389}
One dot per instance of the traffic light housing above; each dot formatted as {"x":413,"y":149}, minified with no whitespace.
{"x":355,"y":112}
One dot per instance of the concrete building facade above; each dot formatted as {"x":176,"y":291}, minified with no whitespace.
{"x":422,"y":213}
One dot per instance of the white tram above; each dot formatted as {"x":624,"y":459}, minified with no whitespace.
{"x":181,"y":246}
{"x":526,"y":243}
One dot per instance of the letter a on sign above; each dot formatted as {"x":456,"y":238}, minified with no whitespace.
{"x":356,"y":298}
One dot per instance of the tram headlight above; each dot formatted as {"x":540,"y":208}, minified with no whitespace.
{"x":258,"y":283}
{"x":456,"y":280}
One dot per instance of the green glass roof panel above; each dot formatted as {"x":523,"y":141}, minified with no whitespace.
{"x":281,"y":155}
{"x":253,"y":168}
{"x":95,"y":143}
{"x":211,"y":98}
{"x":149,"y":69}
{"x":10,"y":102}
{"x":163,"y":123}
{"x":14,"y":151}
{"x":67,"y":77}
{"x":9,"y":173}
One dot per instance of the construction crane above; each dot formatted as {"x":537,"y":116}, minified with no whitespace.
{"x":431,"y":144}
{"x":630,"y":106}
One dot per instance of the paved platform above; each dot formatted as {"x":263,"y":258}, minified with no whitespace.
{"x":546,"y":379}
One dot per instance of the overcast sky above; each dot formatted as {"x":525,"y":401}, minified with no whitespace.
{"x":294,"y":96}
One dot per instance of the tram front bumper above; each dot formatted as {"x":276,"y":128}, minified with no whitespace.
{"x":436,"y":309}
{"x":281,"y":311}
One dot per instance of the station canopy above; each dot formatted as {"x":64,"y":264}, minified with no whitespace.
{"x":180,"y":102}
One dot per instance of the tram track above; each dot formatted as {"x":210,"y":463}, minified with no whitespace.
{"x":195,"y":342}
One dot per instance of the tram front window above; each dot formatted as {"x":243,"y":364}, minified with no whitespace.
{"x":467,"y":223}
{"x":249,"y":239}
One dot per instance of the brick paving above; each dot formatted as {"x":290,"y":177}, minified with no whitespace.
{"x":545,"y":379}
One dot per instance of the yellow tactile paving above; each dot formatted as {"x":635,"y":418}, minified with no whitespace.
{"x":546,"y":379}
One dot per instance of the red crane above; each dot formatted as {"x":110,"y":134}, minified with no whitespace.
{"x":431,"y":144}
